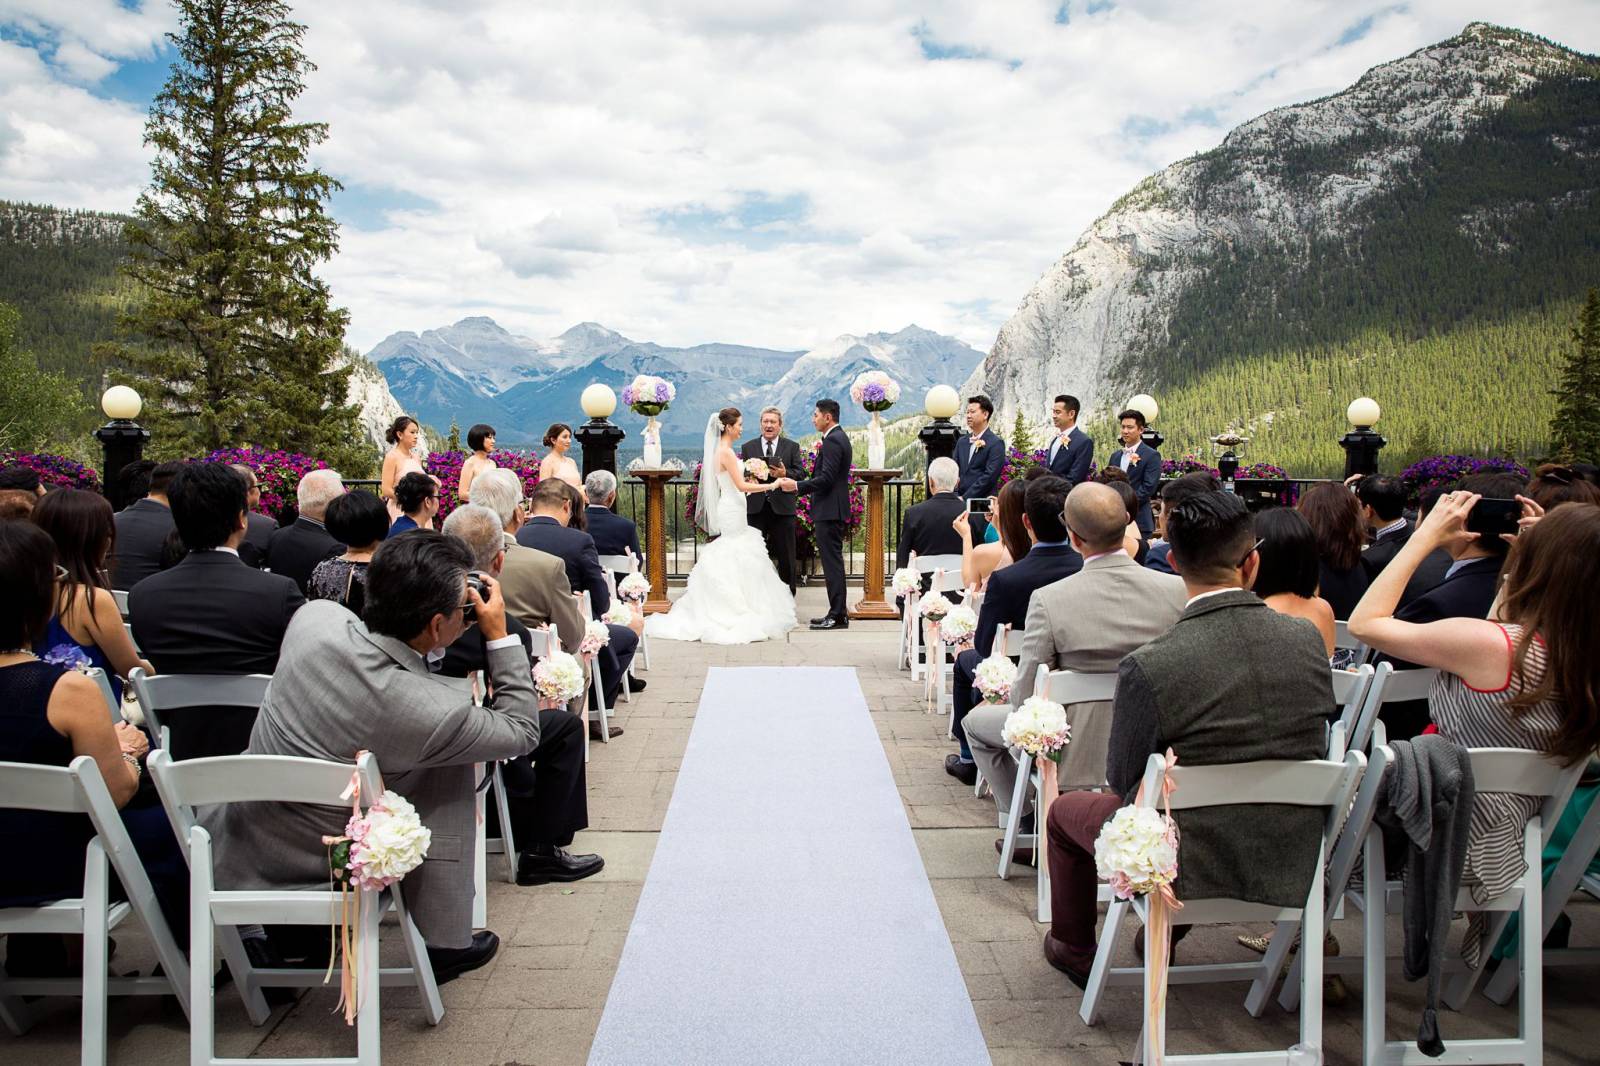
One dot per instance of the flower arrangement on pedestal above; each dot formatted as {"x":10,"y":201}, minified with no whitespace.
{"x":876,"y":392}
{"x":649,"y":396}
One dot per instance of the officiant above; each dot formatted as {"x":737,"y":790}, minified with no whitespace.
{"x":773,"y":512}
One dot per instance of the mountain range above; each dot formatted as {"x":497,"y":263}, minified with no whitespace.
{"x":1423,"y":237}
{"x":477,"y":371}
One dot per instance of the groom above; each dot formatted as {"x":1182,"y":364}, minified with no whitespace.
{"x":829,"y":489}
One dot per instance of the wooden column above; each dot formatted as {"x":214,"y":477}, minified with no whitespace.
{"x":655,"y":536}
{"x":872,"y":603}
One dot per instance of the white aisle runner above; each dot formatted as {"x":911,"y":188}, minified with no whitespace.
{"x":787,"y":917}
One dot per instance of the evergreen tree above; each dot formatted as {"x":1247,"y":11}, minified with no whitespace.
{"x":1021,"y":435}
{"x":1575,"y":427}
{"x":34,"y":404}
{"x":235,"y":336}
{"x":454,"y":443}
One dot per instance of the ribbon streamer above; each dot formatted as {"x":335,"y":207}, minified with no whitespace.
{"x":1160,"y":906}
{"x":345,"y":939}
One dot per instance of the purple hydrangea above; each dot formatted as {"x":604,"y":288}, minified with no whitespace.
{"x":872,"y":394}
{"x":69,"y":655}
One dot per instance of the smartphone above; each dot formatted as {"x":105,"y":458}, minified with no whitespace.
{"x":1492,"y":517}
{"x":979,"y":505}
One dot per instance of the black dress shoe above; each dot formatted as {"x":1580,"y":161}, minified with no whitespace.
{"x":635,"y":684}
{"x":1022,"y":856}
{"x":818,"y":621}
{"x":450,"y":963}
{"x":611,"y":731}
{"x":965,"y":772}
{"x":830,"y":623}
{"x":559,"y":865}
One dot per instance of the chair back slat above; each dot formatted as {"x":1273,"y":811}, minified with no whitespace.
{"x":619,"y":564}
{"x":927,"y":564}
{"x":121,"y":598}
{"x":259,"y":778}
{"x":1013,"y":642}
{"x":946,"y":580}
{"x":1349,"y":686}
{"x":32,"y":787}
{"x":172,"y":692}
{"x":1297,"y":782}
{"x":541,"y":640}
{"x":1067,"y":687}
{"x":1408,"y":685}
{"x":1343,"y":639}
{"x":98,"y":676}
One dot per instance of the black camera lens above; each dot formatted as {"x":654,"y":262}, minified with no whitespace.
{"x":475,"y":582}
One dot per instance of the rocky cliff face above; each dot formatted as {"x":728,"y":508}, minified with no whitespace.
{"x":375,"y":404}
{"x":1287,"y":185}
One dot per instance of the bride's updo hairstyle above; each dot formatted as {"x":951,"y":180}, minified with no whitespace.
{"x":401,"y":424}
{"x":728,"y":416}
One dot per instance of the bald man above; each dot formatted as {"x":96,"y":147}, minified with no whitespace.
{"x":1086,"y":622}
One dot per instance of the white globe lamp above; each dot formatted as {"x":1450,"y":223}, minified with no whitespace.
{"x":1145,"y":404}
{"x":1363,"y":413}
{"x":598,"y":401}
{"x":120,"y":403}
{"x":942,"y":401}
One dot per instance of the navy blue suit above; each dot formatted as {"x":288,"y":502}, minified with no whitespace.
{"x":1005,"y":602}
{"x":612,"y":534}
{"x":1073,"y":461}
{"x":1145,"y":477}
{"x":829,"y":489}
{"x":576,"y":549}
{"x":980,"y":467}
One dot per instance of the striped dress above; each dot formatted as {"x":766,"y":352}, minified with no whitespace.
{"x":1480,"y":718}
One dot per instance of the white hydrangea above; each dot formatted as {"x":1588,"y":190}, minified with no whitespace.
{"x":1039,"y":727}
{"x":618,"y":614}
{"x":1137,"y":851}
{"x":558,"y":677}
{"x":905,"y":582}
{"x":994,"y":678}
{"x":959,"y":625}
{"x":635,"y":588}
{"x":595,"y":637}
{"x":387,"y":843}
{"x":935,"y":607}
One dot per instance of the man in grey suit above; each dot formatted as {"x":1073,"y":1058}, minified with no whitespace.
{"x":344,"y":686}
{"x":1086,"y":622}
{"x":1232,"y":681}
{"x":773,"y":512}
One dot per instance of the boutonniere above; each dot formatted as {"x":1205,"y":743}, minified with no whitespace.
{"x":979,"y":443}
{"x":1133,"y":458}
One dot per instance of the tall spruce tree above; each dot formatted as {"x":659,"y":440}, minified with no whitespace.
{"x":1021,"y":435}
{"x":233,"y":336}
{"x":1575,"y":428}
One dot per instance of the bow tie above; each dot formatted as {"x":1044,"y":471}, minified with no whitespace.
{"x":978,"y":439}
{"x":1131,"y":449}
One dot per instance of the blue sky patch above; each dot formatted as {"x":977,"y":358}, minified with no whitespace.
{"x":366,"y":207}
{"x":759,"y":220}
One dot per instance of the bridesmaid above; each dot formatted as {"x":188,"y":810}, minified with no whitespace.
{"x":558,"y":438}
{"x":401,"y":458}
{"x":480,"y":438}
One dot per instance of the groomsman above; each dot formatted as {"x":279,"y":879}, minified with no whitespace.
{"x":1140,"y":462}
{"x":773,"y":512}
{"x":979,"y":456}
{"x":1072,"y":450}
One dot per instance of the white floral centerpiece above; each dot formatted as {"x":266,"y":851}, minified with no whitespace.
{"x":620,"y":613}
{"x":958,"y":625}
{"x":906,"y":582}
{"x":558,"y":678}
{"x":649,"y":395}
{"x":595,"y":637}
{"x":994,"y":677}
{"x":876,"y":392}
{"x":635,"y":588}
{"x":934,"y":607}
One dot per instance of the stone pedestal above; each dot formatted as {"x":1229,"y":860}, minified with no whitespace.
{"x":872,"y":603}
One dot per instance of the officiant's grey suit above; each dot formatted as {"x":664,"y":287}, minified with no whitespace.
{"x":339,"y":689}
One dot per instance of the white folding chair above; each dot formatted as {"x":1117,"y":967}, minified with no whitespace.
{"x":1008,"y":642}
{"x":586,"y":608}
{"x":946,"y":571}
{"x":627,"y":564}
{"x":122,"y":602}
{"x":161,"y":693}
{"x":1349,"y":692}
{"x":1316,"y":783}
{"x":1388,"y":686}
{"x":98,"y":676}
{"x":216,"y":913}
{"x":495,"y":782}
{"x":1065,"y":687}
{"x":942,"y":660}
{"x":1343,"y":639}
{"x":79,"y":789}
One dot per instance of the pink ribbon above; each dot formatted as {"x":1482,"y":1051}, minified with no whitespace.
{"x":1160,"y":906}
{"x":344,"y":938}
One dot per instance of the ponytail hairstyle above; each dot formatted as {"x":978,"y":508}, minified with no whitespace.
{"x":401,"y":424}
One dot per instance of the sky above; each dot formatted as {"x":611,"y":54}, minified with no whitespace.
{"x":761,"y":172}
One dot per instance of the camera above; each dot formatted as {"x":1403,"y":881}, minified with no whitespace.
{"x":1491,"y":517}
{"x":475,"y":582}
{"x":979,"y":505}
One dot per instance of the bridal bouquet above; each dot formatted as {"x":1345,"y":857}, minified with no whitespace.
{"x":935,"y":607}
{"x":994,"y":678}
{"x":959,"y":625}
{"x":906,"y":582}
{"x":757,"y":468}
{"x":618,"y":614}
{"x":635,"y":588}
{"x":874,"y":390}
{"x":1039,"y":727}
{"x":558,"y":678}
{"x":380,"y":847}
{"x":595,"y":637}
{"x":648,"y":395}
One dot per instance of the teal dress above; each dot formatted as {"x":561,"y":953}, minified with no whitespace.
{"x":991,"y":534}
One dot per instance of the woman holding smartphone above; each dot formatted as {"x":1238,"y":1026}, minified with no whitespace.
{"x":1005,"y":514}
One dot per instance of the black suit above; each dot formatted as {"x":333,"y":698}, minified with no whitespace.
{"x":257,"y":538}
{"x":927,"y":528}
{"x":1005,"y":603}
{"x":142,"y":529}
{"x":211,"y":614}
{"x":296,"y":549}
{"x":1073,"y":461}
{"x":773,"y":512}
{"x":1468,"y":593}
{"x":612,"y":534}
{"x":1428,"y":574}
{"x":576,"y":550}
{"x":829,"y":489}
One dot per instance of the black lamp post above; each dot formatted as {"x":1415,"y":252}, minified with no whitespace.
{"x":1361,"y":445}
{"x":121,"y":439}
{"x":599,"y":436}
{"x":939,"y":436}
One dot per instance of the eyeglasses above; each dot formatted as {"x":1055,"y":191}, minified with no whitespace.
{"x":1245,"y":558}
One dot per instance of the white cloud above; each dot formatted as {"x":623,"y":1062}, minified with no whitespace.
{"x":768,"y":172}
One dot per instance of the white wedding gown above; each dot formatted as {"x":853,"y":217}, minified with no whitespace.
{"x":735,"y":595}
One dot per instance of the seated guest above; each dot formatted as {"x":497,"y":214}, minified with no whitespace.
{"x":576,"y":516}
{"x":1049,"y":559}
{"x":1004,"y":518}
{"x":1173,"y":493}
{"x":253,"y":550}
{"x":21,"y":479}
{"x":211,"y":614}
{"x":549,"y":805}
{"x":347,"y":685}
{"x":1335,"y":518}
{"x":1232,"y":681}
{"x":85,"y":617}
{"x":297,"y":548}
{"x":1134,"y":542}
{"x":1087,"y":623}
{"x":1554,"y":484}
{"x":1383,"y":502}
{"x":1286,"y":580}
{"x":547,"y":531}
{"x":417,"y":496}
{"x":142,"y":529}
{"x":612,"y":533}
{"x":1530,"y":679}
{"x":928,"y":527}
{"x":358,"y":520}
{"x":49,"y":715}
{"x":16,"y":503}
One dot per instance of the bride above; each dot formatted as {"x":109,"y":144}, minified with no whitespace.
{"x":735,"y":595}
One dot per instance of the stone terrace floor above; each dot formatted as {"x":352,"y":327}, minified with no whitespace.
{"x":540,"y":1001}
